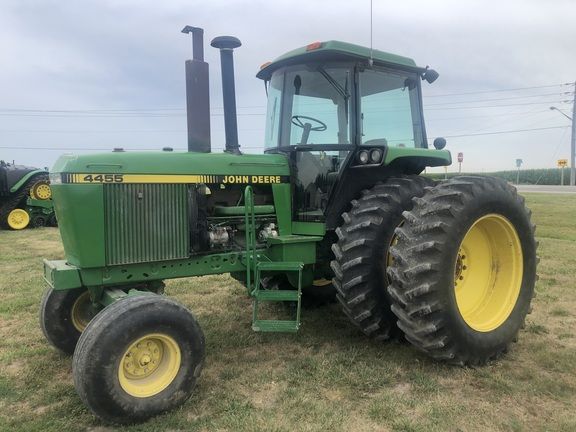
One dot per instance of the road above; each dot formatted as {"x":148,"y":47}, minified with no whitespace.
{"x":546,"y":189}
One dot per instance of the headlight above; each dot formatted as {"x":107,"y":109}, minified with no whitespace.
{"x":363,"y":157}
{"x":376,"y":156}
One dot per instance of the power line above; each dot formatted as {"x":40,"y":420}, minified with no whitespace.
{"x":500,"y":99}
{"x":506,"y":132}
{"x":500,"y":90}
{"x":167,"y":115}
{"x":128,"y":111}
{"x":104,"y":131}
{"x":494,"y":106}
{"x":261,"y":147}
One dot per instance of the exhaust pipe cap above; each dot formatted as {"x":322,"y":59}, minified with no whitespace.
{"x":225,"y":42}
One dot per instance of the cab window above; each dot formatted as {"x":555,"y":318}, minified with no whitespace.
{"x":390,"y":111}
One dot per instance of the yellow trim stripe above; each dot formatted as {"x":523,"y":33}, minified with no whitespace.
{"x":96,"y":178}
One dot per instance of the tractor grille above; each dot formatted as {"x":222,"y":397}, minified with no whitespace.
{"x":146,"y":222}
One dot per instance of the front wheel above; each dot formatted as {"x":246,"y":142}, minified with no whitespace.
{"x":464,"y":270}
{"x":139,"y":357}
{"x":64,"y":315}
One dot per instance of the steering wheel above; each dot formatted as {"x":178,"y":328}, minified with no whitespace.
{"x":297,"y":121}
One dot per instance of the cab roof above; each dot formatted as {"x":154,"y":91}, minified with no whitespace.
{"x":337,"y":51}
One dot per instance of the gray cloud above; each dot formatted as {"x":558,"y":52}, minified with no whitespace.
{"x":127,"y":54}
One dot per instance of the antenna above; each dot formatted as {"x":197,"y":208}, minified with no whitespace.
{"x":371,"y":61}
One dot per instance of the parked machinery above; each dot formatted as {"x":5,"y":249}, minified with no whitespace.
{"x":337,"y":196}
{"x":25,"y":197}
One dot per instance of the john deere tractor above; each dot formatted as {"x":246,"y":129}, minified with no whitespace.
{"x":25,"y":197}
{"x":337,"y":198}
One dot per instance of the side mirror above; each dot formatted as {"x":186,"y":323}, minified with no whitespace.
{"x":439,"y":143}
{"x":430,"y":75}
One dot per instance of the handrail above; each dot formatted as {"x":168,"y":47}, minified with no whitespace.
{"x":250,"y":224}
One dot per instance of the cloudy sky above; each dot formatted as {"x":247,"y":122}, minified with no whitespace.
{"x":97,"y":74}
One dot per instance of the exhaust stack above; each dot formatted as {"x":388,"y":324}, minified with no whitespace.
{"x":197,"y":94}
{"x":226,"y":45}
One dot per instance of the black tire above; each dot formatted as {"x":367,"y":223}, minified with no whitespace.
{"x":103,"y":345}
{"x":429,"y":260}
{"x":52,"y":221}
{"x":318,"y":294}
{"x":39,"y":221}
{"x":362,"y":250}
{"x":62,"y":316}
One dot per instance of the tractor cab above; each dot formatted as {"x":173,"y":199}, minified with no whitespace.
{"x":335,"y":105}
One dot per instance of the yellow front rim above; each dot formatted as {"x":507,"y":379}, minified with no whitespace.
{"x":82,"y":311}
{"x":149,"y":365}
{"x":488,"y":273}
{"x":41,"y":191}
{"x":18,"y":219}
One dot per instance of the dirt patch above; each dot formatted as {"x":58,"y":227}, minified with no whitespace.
{"x":267,"y":395}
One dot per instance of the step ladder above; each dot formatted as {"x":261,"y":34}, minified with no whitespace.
{"x":255,"y":265}
{"x":259,"y":295}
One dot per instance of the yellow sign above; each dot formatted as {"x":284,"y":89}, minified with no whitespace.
{"x":562,"y":163}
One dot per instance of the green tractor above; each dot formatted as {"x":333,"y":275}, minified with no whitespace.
{"x":335,"y":202}
{"x":25,"y":197}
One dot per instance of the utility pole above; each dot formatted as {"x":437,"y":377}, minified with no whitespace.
{"x":573,"y":138}
{"x":518,"y":165}
{"x":573,"y":141}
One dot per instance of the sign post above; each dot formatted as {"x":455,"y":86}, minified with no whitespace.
{"x":460,"y":160}
{"x":518,"y":165}
{"x":562,"y":163}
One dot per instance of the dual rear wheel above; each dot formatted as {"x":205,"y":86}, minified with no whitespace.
{"x":460,"y":267}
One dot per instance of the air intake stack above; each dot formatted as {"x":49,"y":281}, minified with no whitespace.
{"x":226,"y":45}
{"x":197,"y":94}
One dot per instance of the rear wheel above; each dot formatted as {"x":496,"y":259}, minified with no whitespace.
{"x":139,"y":357}
{"x":52,"y":221}
{"x":18,"y":219}
{"x":41,"y":190}
{"x":64,"y":315}
{"x":39,"y":221}
{"x":464,"y":270}
{"x":361,"y":253}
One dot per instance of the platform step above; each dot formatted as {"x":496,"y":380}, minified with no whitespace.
{"x":278,"y":326}
{"x":277,"y":295}
{"x":279,"y":266}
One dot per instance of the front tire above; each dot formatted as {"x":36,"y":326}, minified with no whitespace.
{"x":464,"y":270}
{"x":139,"y":357}
{"x":64,"y":315}
{"x":361,"y":253}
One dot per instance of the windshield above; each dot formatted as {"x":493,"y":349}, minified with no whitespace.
{"x":315,"y":108}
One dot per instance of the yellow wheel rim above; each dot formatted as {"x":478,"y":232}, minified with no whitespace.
{"x":82,"y":311}
{"x":488,"y":273}
{"x":149,"y":365}
{"x":41,"y":191}
{"x":393,"y":242}
{"x":321,"y":282}
{"x":18,"y":219}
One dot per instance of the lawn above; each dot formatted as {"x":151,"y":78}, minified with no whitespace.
{"x":326,"y":378}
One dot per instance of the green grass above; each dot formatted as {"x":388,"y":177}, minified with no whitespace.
{"x":326,"y":378}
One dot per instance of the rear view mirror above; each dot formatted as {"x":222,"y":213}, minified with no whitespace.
{"x":430,"y":75}
{"x":439,"y":143}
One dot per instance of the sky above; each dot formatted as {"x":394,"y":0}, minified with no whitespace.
{"x":83,"y":75}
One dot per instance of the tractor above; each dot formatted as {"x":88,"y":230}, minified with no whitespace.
{"x":336,"y":202}
{"x":25,"y":197}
